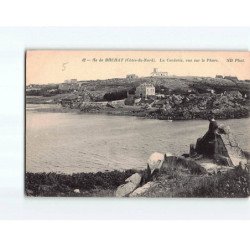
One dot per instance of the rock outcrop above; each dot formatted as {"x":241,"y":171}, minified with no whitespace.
{"x":141,"y":190}
{"x":220,"y":146}
{"x":155,"y":161}
{"x":164,"y":170}
{"x":226,"y":146}
{"x":130,"y":185}
{"x":172,"y":168}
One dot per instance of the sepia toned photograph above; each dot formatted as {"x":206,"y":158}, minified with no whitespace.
{"x":137,"y":124}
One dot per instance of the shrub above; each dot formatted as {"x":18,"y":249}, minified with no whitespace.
{"x":113,"y":96}
{"x":51,"y":184}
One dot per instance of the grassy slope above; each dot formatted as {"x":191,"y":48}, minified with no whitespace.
{"x":176,"y":181}
{"x":233,"y":184}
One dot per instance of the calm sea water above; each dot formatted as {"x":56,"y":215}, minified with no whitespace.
{"x":71,"y":142}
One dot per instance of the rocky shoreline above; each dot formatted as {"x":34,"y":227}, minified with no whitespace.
{"x":176,"y":107}
{"x":175,"y":98}
{"x":173,"y":116}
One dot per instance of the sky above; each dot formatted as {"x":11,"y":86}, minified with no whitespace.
{"x":56,"y":66}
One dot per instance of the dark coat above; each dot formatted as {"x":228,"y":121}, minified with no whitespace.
{"x":206,"y":144}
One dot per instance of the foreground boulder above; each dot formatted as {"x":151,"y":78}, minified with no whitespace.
{"x":135,"y":178}
{"x":155,"y":161}
{"x":141,"y":190}
{"x":174,"y":172}
{"x":130,"y":185}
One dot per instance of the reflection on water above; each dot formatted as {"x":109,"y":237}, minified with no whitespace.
{"x":69,"y":142}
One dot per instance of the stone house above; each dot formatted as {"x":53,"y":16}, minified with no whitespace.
{"x":145,"y":90}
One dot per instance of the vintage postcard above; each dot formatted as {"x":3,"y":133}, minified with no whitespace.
{"x":137,"y":123}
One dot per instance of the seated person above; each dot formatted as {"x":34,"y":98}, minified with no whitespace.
{"x":206,"y":144}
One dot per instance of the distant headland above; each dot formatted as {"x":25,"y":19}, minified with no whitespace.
{"x":159,"y":95}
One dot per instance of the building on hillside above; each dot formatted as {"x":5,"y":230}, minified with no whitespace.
{"x":232,"y":78}
{"x":219,"y":76}
{"x":132,"y":76}
{"x":157,"y":73}
{"x":145,"y":90}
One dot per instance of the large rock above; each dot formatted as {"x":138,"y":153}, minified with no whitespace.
{"x":125,"y":189}
{"x":155,"y":161}
{"x":135,"y":178}
{"x":141,"y":190}
{"x":227,"y":146}
{"x":131,"y":184}
{"x":221,"y":146}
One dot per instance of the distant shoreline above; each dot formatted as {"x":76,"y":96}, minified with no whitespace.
{"x":125,"y":111}
{"x":171,"y":98}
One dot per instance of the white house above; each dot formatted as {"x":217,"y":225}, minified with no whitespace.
{"x":157,"y":73}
